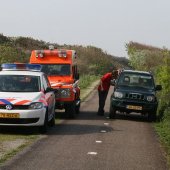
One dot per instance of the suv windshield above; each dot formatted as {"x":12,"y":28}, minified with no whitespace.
{"x":19,"y":83}
{"x":56,"y":69}
{"x":136,"y":79}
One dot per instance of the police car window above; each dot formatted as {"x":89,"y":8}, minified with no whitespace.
{"x":45,"y":82}
{"x":19,"y":83}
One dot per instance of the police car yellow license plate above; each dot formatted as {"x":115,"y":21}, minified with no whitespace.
{"x":134,"y":107}
{"x":9,"y":115}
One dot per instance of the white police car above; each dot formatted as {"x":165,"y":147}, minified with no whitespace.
{"x":26,"y":97}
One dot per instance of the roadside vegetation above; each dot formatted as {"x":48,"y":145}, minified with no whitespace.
{"x":156,"y":60}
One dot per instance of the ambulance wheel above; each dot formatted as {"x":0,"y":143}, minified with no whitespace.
{"x":78,"y":108}
{"x":70,"y":110}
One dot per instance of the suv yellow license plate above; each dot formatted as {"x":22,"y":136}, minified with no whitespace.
{"x":134,"y":107}
{"x":9,"y":115}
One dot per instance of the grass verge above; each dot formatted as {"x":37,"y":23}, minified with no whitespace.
{"x":163,"y":129}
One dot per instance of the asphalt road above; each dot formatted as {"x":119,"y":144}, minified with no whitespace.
{"x":92,"y":142}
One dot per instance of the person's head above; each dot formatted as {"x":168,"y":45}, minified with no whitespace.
{"x":115,"y":74}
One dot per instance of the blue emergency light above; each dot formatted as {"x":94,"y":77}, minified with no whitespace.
{"x":21,"y":66}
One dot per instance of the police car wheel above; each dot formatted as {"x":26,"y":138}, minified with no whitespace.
{"x":43,"y":128}
{"x":52,"y":121}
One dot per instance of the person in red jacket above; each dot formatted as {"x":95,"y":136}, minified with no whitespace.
{"x":103,"y":89}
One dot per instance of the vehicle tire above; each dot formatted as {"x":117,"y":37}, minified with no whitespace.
{"x":52,"y":121}
{"x":70,"y":110}
{"x":43,"y":128}
{"x":152,"y":116}
{"x":112,"y":112}
{"x":78,"y":107}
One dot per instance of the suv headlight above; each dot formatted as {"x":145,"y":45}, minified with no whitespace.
{"x":150,"y":98}
{"x":118,"y":95}
{"x":65,"y":92}
{"x":37,"y":105}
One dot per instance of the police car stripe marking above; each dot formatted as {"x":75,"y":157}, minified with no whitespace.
{"x":5,"y":101}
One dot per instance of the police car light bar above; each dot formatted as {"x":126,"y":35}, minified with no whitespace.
{"x":28,"y":67}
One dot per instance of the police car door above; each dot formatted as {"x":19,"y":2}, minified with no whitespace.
{"x":49,"y":96}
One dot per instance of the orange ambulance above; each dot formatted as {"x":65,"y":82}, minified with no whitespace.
{"x":61,"y":69}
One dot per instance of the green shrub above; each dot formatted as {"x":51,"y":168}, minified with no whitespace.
{"x":86,"y":80}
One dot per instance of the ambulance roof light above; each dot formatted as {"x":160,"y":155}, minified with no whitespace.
{"x":21,"y":67}
{"x":39,"y":53}
{"x":51,"y":47}
{"x":62,"y":53}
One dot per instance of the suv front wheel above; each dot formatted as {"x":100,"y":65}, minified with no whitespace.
{"x":151,"y":116}
{"x":112,"y":112}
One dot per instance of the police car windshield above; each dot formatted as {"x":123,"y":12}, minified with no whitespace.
{"x":56,"y":69}
{"x":19,"y":83}
{"x":137,"y":80}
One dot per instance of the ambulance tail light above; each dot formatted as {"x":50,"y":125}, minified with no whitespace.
{"x":21,"y":67}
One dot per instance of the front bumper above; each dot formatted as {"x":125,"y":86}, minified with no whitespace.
{"x":26,"y":117}
{"x":133,"y":106}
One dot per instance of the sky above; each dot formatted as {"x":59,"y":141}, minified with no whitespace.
{"x":106,"y":24}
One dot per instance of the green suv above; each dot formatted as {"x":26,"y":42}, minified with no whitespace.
{"x":134,"y":91}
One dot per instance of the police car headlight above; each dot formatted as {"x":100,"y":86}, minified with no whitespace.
{"x":118,"y":95}
{"x":37,"y":105}
{"x":65,"y":92}
{"x":150,"y":98}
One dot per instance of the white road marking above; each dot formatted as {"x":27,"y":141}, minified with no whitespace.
{"x":103,"y":131}
{"x":98,"y":141}
{"x":92,"y":153}
{"x":106,"y":124}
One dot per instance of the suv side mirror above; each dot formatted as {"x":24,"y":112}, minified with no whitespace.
{"x":158,"y":87}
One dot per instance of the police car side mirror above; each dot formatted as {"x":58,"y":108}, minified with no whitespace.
{"x":48,"y":89}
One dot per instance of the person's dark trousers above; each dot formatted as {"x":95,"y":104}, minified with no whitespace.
{"x":102,"y":99}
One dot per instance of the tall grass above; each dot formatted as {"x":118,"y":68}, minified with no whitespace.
{"x":86,"y":80}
